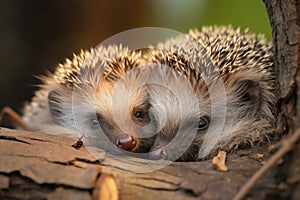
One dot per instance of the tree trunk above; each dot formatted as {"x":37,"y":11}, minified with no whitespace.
{"x":284,"y":17}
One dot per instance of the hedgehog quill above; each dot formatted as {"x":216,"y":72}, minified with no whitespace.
{"x":110,"y":89}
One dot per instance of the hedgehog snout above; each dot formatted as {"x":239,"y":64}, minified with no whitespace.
{"x":158,"y":153}
{"x":126,"y":142}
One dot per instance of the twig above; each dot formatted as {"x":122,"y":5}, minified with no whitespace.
{"x":287,"y":145}
{"x":14,"y":116}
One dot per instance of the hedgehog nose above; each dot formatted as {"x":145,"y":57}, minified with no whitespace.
{"x":158,"y":153}
{"x":126,"y":142}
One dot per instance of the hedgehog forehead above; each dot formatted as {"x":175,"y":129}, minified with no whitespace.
{"x":125,"y":99}
{"x":117,"y":101}
{"x":123,"y":95}
{"x":185,"y":107}
{"x":173,"y":98}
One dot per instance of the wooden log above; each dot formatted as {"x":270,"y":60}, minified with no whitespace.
{"x":41,"y":166}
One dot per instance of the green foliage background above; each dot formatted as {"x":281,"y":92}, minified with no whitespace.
{"x":184,"y":14}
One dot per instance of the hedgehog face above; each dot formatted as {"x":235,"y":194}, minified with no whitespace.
{"x":191,"y":124}
{"x":122,"y":109}
{"x":182,"y":116}
{"x":107,"y":108}
{"x":199,"y":112}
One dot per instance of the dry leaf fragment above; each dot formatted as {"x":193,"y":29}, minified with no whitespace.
{"x":260,"y":155}
{"x":219,"y":161}
{"x":106,"y":188}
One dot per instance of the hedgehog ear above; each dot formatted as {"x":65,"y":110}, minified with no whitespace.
{"x":248,"y":92}
{"x":55,"y":102}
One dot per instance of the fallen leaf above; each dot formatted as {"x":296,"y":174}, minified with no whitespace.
{"x":260,"y":155}
{"x":219,"y":161}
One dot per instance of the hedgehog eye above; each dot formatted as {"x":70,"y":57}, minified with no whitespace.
{"x":203,"y":123}
{"x":94,"y":122}
{"x":139,"y":114}
{"x":97,"y":120}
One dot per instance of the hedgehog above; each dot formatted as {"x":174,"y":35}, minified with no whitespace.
{"x":183,"y":100}
{"x":231,"y":74}
{"x":89,"y":98}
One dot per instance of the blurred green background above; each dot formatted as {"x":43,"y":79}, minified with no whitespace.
{"x":37,"y":34}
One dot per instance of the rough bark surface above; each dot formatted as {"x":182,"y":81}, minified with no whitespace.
{"x":285,"y":19}
{"x":40,"y":166}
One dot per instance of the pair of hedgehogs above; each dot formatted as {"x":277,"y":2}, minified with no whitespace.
{"x":193,"y":94}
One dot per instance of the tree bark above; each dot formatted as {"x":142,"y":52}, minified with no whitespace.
{"x":285,"y":19}
{"x":40,"y":166}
